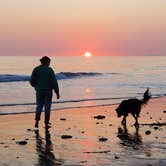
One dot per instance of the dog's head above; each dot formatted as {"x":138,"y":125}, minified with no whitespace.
{"x":118,"y":111}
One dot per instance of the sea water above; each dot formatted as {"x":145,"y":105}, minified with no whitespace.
{"x":98,"y":80}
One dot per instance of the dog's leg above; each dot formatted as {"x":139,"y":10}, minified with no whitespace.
{"x":136,"y":120}
{"x":124,"y":121}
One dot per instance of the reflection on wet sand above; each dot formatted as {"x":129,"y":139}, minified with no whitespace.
{"x":44,"y":150}
{"x":133,"y":141}
{"x":130,"y":140}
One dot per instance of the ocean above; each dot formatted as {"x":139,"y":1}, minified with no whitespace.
{"x":83,"y":82}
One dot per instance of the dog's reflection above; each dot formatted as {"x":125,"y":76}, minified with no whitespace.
{"x":44,"y":150}
{"x":130,"y":140}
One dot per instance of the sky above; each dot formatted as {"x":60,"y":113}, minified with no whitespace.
{"x":72,"y":27}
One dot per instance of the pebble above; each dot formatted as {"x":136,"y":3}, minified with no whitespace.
{"x":116,"y":157}
{"x":62,"y":118}
{"x":147,"y":132}
{"x":156,"y":128}
{"x":99,"y":117}
{"x":21,"y":142}
{"x":66,"y":136}
{"x":102,"y":139}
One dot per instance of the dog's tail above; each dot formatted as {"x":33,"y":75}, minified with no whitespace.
{"x":146,"y":97}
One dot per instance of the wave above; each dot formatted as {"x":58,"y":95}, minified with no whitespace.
{"x":59,"y":76}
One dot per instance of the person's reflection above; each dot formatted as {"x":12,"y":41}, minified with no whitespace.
{"x":44,"y":150}
{"x":130,"y":140}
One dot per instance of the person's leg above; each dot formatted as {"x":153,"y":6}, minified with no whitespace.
{"x":48,"y":101}
{"x":40,"y":104}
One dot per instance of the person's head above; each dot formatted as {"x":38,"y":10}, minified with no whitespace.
{"x":45,"y":60}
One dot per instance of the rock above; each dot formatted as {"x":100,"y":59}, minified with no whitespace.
{"x":21,"y":142}
{"x":62,"y":118}
{"x":82,"y":132}
{"x":110,"y":124}
{"x":99,"y":117}
{"x":6,"y":146}
{"x":102,"y":139}
{"x":97,"y":123}
{"x":164,"y":111}
{"x":147,"y":132}
{"x":2,"y":143}
{"x":156,"y":128}
{"x":27,"y":139}
{"x":13,"y":139}
{"x":150,"y":117}
{"x":28,"y":129}
{"x":66,"y":136}
{"x":117,"y":157}
{"x":17,"y":157}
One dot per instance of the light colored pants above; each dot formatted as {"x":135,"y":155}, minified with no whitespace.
{"x":43,"y":99}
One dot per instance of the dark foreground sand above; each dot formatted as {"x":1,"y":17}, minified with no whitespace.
{"x":119,"y":146}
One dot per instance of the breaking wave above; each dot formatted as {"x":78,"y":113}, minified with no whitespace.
{"x":59,"y":76}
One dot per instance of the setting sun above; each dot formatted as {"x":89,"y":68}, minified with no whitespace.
{"x":87,"y":54}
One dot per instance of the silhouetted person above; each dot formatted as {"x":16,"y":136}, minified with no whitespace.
{"x":44,"y":81}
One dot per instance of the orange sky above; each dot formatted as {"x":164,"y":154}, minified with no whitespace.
{"x":71,"y":27}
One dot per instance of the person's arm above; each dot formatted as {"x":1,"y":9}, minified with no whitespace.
{"x":54,"y":83}
{"x":33,"y":78}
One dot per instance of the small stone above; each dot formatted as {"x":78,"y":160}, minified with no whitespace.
{"x":102,"y":139}
{"x":13,"y":139}
{"x":164,"y":111}
{"x":156,"y":128}
{"x":117,"y":157}
{"x":17,"y":157}
{"x":62,"y":118}
{"x":150,"y":117}
{"x":147,"y":132}
{"x":66,"y":136}
{"x":82,"y":132}
{"x":6,"y":146}
{"x":28,"y":129}
{"x":21,"y":142}
{"x":99,"y":117}
{"x":27,"y":139}
{"x":110,"y":124}
{"x":97,"y":122}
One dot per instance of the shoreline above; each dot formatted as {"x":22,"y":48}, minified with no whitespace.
{"x":66,"y":108}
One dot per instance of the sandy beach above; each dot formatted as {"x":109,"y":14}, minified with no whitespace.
{"x":93,"y":141}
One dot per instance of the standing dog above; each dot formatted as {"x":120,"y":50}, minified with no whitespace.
{"x":132,"y":106}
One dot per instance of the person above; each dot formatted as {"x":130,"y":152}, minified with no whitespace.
{"x":44,"y":81}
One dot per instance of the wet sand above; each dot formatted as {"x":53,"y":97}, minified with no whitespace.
{"x":92,"y":142}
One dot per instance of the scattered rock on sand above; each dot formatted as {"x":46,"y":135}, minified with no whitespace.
{"x":62,"y":118}
{"x":21,"y":142}
{"x":102,"y":139}
{"x":156,"y":128}
{"x":29,"y":129}
{"x":147,"y":132}
{"x":66,"y":136}
{"x":117,"y":157}
{"x":6,"y":146}
{"x":99,"y":117}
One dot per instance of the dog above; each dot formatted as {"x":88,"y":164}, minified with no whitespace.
{"x":132,"y":106}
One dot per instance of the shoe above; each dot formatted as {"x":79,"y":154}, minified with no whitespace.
{"x":37,"y":124}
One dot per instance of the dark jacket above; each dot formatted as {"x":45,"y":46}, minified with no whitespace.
{"x":43,"y":78}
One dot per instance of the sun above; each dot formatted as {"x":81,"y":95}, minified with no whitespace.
{"x":87,"y":54}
